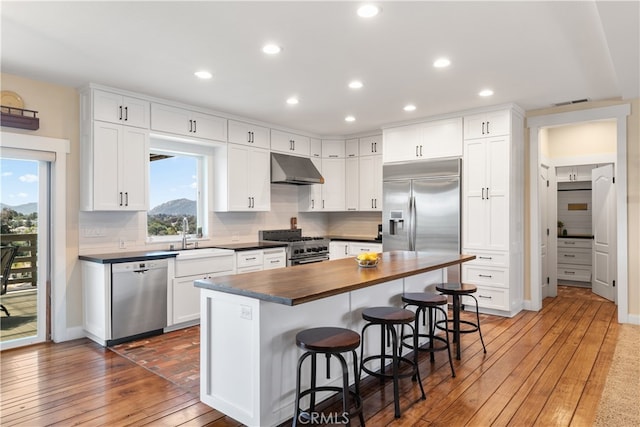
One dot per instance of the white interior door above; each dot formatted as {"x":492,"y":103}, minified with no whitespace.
{"x":604,"y":232}
{"x":543,"y":181}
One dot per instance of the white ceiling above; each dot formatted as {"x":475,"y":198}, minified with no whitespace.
{"x":532,"y":53}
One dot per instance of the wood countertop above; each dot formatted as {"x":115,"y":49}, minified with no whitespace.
{"x":305,"y":283}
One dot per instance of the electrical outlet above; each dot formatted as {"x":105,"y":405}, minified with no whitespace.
{"x":245,"y":312}
{"x":122,"y":244}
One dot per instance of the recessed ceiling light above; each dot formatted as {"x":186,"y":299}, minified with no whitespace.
{"x":356,"y":84}
{"x":292,"y":101}
{"x":271,"y":49}
{"x":368,"y":11}
{"x":409,"y":107}
{"x":203,"y":75}
{"x":485,"y":92}
{"x":442,"y":63}
{"x":349,"y":119}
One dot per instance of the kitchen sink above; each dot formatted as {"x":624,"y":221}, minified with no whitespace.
{"x":202,"y":253}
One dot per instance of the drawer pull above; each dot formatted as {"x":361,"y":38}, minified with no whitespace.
{"x":569,"y":255}
{"x":275,"y":261}
{"x":569,"y":272}
{"x":485,"y":257}
{"x":485,"y":275}
{"x":569,"y":243}
{"x":250,"y":259}
{"x":484,"y":296}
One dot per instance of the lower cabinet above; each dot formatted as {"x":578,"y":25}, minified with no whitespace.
{"x":343,"y":249}
{"x":574,"y":259}
{"x":491,"y":274}
{"x":261,"y":259}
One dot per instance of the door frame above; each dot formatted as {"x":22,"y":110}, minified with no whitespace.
{"x":535,"y":124}
{"x":60,"y":148}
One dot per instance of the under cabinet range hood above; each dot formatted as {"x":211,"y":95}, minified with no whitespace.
{"x":296,"y":170}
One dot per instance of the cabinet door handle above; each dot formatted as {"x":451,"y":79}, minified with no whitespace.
{"x":190,"y":125}
{"x":126,"y":114}
{"x":484,"y":296}
{"x":417,"y":151}
{"x":120,"y":108}
{"x":488,"y":128}
{"x":373,"y":150}
{"x":483,"y":128}
{"x":126,"y":198}
{"x":313,"y":204}
{"x":375,"y":147}
{"x":345,"y":250}
{"x":195,"y":126}
{"x":482,"y":193}
{"x":249,"y":137}
{"x":375,"y":203}
{"x":371,"y":203}
{"x":485,"y":275}
{"x":322,"y":203}
{"x":487,"y":193}
{"x":121,"y":198}
{"x":249,"y":200}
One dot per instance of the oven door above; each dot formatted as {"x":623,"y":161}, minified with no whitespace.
{"x":310,"y":260}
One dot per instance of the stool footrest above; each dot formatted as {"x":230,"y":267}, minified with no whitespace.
{"x":425,"y":346}
{"x":381,"y":373}
{"x":473,"y":328}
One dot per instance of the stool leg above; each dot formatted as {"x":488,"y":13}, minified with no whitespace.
{"x":356,"y":374}
{"x":296,"y":412}
{"x":394,"y":366}
{"x":478,"y":320}
{"x":456,"y":324}
{"x":446,"y":337}
{"x":432,"y":332}
{"x":415,"y":362}
{"x":345,"y":385}
{"x":312,"y":403}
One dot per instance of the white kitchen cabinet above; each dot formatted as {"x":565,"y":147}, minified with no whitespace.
{"x":315,"y":147}
{"x":248,"y":134}
{"x":493,"y":211}
{"x":575,"y":259}
{"x":114,"y":168}
{"x":166,"y":118}
{"x":248,"y":178}
{"x":248,"y":261}
{"x":338,"y":249}
{"x":356,"y":248}
{"x":274,"y":258}
{"x":370,"y":183}
{"x":423,"y":141}
{"x":333,"y":148}
{"x":574,"y":173}
{"x":329,"y":196}
{"x":352,"y":183}
{"x":492,"y":123}
{"x":343,"y":249}
{"x":352,"y":147}
{"x":370,"y":145}
{"x":116,"y":108}
{"x":290,"y":143}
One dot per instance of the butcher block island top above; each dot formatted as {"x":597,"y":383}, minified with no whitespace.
{"x":310,"y":282}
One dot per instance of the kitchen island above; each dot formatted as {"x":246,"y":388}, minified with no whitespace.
{"x":248,"y":354}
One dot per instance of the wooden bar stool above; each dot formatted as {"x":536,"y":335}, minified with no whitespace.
{"x":457,"y":290}
{"x":387,"y":318}
{"x":428,"y":303}
{"x":330,"y":341}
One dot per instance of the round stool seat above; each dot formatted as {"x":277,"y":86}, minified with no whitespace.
{"x":328,"y":340}
{"x":456,"y":288}
{"x":388,"y":315}
{"x":424,"y":298}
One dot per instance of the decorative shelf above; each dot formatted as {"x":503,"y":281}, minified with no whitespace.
{"x":19,"y":118}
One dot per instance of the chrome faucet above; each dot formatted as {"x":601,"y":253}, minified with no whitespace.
{"x":185,"y":228}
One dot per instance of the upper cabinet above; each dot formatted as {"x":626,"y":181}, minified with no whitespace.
{"x":574,"y":173}
{"x":248,"y":134}
{"x":116,"y":108}
{"x":487,"y":124}
{"x":333,"y":148}
{"x":165,"y":118}
{"x":248,"y":183}
{"x":351,"y":147}
{"x":329,"y":196}
{"x":370,"y":183}
{"x":114,"y":154}
{"x":371,"y":145}
{"x":315,"y":146}
{"x":290,"y":143}
{"x":422,"y":141}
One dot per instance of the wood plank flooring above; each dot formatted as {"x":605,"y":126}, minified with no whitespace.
{"x":546,"y":368}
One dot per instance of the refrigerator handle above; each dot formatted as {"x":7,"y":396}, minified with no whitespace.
{"x":412,"y":223}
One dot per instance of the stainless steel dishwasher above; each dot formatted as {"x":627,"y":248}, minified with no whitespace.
{"x":138,"y":299}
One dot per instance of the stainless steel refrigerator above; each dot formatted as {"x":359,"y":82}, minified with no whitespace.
{"x":421,"y":208}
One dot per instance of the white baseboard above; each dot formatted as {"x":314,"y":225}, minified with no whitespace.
{"x":73,"y":333}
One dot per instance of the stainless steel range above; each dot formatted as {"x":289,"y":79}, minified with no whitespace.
{"x":300,"y":250}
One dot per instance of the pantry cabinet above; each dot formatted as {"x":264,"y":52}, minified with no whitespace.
{"x":352,"y":184}
{"x":493,"y":210}
{"x":290,"y":143}
{"x":248,"y":186}
{"x":370,"y":183}
{"x":115,"y":108}
{"x":180,"y":121}
{"x":423,"y":141}
{"x":248,"y":134}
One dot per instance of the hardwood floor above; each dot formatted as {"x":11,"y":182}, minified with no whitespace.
{"x":546,"y":368}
